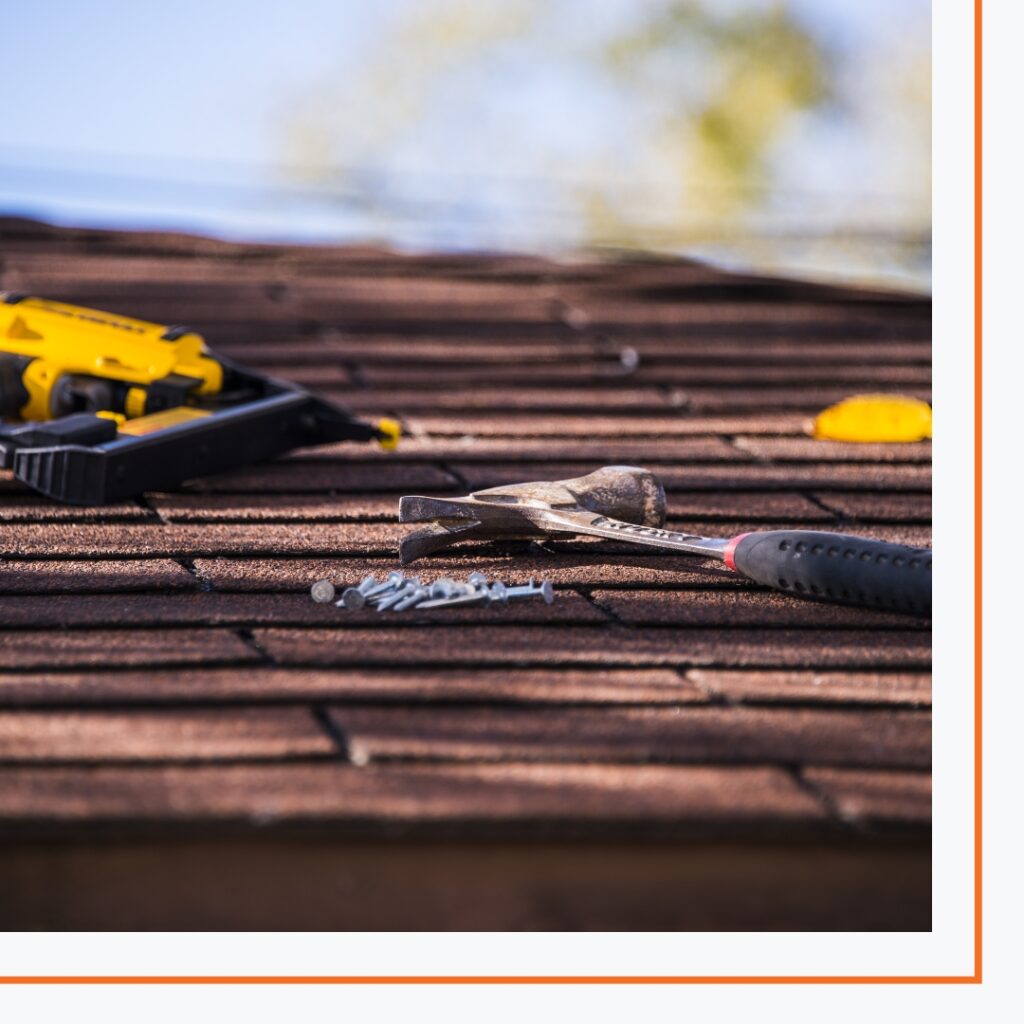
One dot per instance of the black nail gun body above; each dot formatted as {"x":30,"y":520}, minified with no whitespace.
{"x":107,"y":407}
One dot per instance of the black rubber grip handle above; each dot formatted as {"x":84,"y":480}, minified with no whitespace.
{"x":837,"y":567}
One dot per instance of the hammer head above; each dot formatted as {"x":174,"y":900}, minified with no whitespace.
{"x":516,"y":511}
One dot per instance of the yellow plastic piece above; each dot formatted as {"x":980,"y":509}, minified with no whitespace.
{"x":393,"y":431}
{"x":71,"y":339}
{"x":161,"y":420}
{"x":135,"y":403}
{"x":878,"y":418}
{"x":117,"y":417}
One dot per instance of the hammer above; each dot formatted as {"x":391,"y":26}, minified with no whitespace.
{"x":626,"y":503}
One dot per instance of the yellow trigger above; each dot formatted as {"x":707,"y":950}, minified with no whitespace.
{"x":392,"y":431}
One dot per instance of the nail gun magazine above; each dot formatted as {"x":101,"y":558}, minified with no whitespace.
{"x":97,"y":407}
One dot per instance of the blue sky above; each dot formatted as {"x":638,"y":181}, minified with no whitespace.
{"x":156,"y":114}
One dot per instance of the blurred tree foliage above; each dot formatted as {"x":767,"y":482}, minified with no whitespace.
{"x":753,"y":68}
{"x":447,"y":118}
{"x":352,"y":124}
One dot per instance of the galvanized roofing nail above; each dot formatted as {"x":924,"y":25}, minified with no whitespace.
{"x":393,"y":580}
{"x":389,"y":600}
{"x":414,"y":598}
{"x":442,"y":588}
{"x":322,"y":591}
{"x":457,"y":600}
{"x":355,"y":597}
{"x":545,"y":590}
{"x":377,"y":595}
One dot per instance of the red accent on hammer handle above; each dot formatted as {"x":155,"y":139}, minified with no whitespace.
{"x":730,"y":551}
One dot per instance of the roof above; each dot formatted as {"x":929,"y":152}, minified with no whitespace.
{"x":166,"y":679}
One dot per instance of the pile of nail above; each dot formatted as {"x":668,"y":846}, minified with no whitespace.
{"x":397,"y":592}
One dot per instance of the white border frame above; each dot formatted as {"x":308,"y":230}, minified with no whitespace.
{"x":947,"y":950}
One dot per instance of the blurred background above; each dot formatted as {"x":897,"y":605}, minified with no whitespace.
{"x":783,"y":136}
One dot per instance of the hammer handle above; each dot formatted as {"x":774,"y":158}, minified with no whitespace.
{"x":812,"y":564}
{"x":836,"y":567}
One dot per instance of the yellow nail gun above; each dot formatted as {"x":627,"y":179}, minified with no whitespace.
{"x":109,"y":407}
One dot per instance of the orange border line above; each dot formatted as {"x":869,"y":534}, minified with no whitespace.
{"x":969,"y":979}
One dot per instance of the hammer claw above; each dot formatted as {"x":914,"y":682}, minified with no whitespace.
{"x":433,"y":537}
{"x":415,"y":508}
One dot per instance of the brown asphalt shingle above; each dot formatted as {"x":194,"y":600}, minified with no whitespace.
{"x":161,"y":662}
{"x":264,"y":684}
{"x":608,"y":645}
{"x":53,"y":737}
{"x":886,"y":796}
{"x":913,"y":688}
{"x":114,"y":648}
{"x":694,"y":734}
